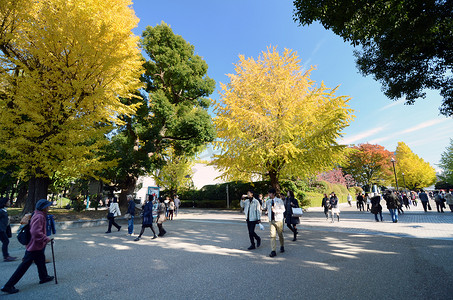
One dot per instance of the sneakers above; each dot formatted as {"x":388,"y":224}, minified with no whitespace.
{"x":282,"y":249}
{"x":137,"y":239}
{"x":47,"y":279}
{"x":108,"y":232}
{"x":9,"y":289}
{"x":154,"y":237}
{"x":272,"y":254}
{"x":10,"y":258}
{"x":251,"y":247}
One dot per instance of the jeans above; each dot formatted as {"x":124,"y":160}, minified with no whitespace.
{"x":276,"y":228}
{"x":33,"y":256}
{"x":252,"y":234}
{"x":394,"y":214}
{"x":130,"y":225}
{"x":5,"y":242}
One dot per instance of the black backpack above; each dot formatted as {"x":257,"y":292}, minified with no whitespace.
{"x":24,"y":236}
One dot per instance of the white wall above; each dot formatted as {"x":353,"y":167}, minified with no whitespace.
{"x":202,"y":175}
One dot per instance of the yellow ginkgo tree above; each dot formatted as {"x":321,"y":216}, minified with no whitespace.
{"x":417,"y":173}
{"x":64,"y":65}
{"x":274,"y":122}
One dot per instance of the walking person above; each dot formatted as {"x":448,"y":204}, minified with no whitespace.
{"x":334,"y":207}
{"x":5,"y":229}
{"x":376,"y":207}
{"x":449,"y":200}
{"x":147,"y":221}
{"x":171,"y":209}
{"x":275,"y":209}
{"x":252,"y":211}
{"x":424,"y":199}
{"x":131,"y":213}
{"x":349,"y":199}
{"x":177,"y":205}
{"x":439,"y":199}
{"x":161,"y":211}
{"x":114,"y":211}
{"x":35,"y":249}
{"x":392,"y":205}
{"x":291,"y":221}
{"x":360,"y":202}
{"x":367,"y":198}
{"x":406,"y":201}
{"x":326,"y":204}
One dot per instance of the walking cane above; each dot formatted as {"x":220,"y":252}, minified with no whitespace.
{"x":53,"y":259}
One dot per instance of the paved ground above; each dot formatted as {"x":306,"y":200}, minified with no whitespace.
{"x":204,"y":256}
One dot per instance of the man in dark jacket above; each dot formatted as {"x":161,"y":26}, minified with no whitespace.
{"x":392,"y":204}
{"x":131,"y":212}
{"x":35,"y":249}
{"x":5,"y":229}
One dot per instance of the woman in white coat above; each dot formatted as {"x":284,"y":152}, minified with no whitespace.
{"x":114,"y":211}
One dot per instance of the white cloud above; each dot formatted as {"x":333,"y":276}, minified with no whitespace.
{"x":394,"y":103}
{"x":424,"y":125}
{"x":362,"y":135}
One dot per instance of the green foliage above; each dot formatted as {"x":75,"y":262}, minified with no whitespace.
{"x":78,"y":203}
{"x":405,"y":44}
{"x":173,"y":112}
{"x":446,"y":163}
{"x":355,"y":190}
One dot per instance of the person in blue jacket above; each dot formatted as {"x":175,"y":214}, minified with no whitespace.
{"x":147,"y":218}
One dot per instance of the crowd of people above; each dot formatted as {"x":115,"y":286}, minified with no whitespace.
{"x":279,"y":211}
{"x":396,"y":202}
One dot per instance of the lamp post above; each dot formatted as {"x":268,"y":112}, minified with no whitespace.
{"x":404,"y":181}
{"x":394,"y":172}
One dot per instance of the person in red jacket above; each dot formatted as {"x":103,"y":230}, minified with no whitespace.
{"x":35,"y":249}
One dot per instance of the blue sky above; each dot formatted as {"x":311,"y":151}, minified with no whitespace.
{"x":221,"y":30}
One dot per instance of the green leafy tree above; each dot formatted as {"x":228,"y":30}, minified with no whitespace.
{"x":405,"y":44}
{"x":63,"y":65}
{"x":173,"y":112}
{"x":446,"y":163}
{"x":273,"y":122}
{"x":417,"y":173}
{"x":175,"y":174}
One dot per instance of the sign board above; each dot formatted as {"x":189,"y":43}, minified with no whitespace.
{"x":155,"y":191}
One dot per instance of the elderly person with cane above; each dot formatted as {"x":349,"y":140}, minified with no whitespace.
{"x":35,"y":249}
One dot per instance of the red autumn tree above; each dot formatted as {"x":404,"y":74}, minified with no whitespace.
{"x":369,"y":164}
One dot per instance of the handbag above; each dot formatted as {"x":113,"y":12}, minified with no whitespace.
{"x":297,"y":212}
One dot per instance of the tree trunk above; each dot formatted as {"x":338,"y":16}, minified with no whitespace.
{"x":37,"y":189}
{"x":21,"y":194}
{"x":274,"y":181}
{"x":129,"y":189}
